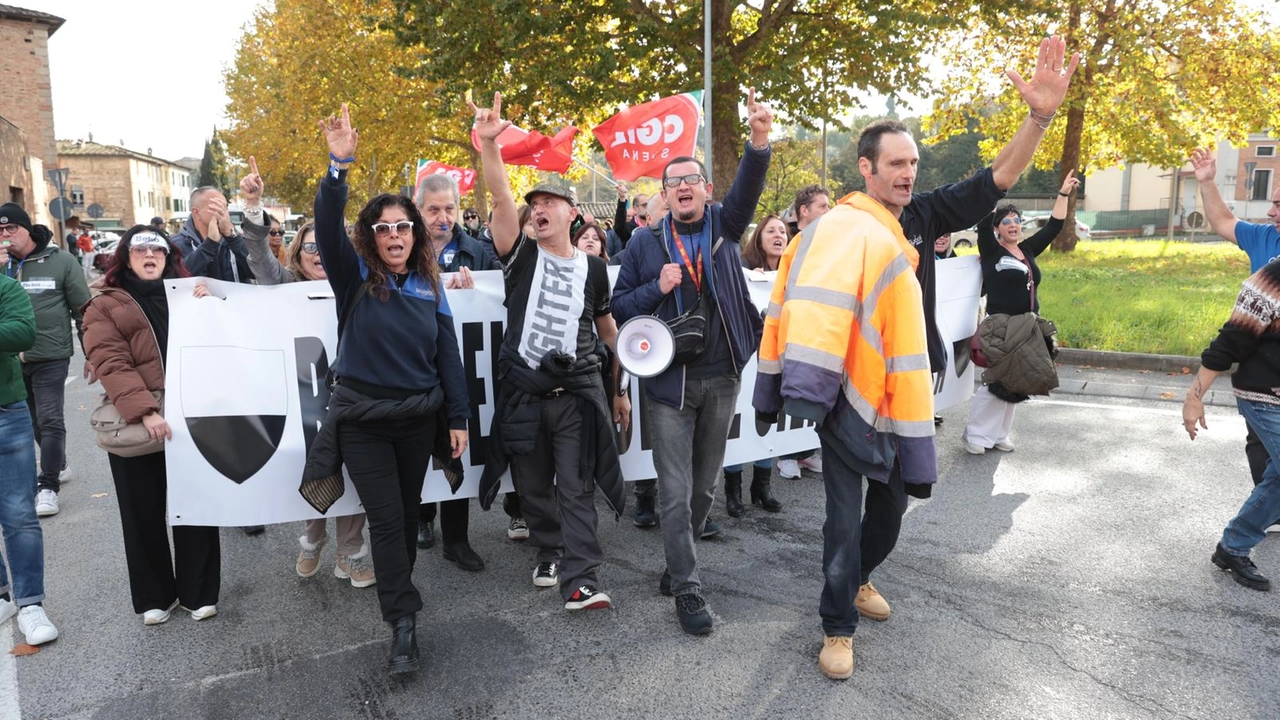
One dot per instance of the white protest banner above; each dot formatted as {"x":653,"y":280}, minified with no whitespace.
{"x":246,"y":380}
{"x":959,"y":287}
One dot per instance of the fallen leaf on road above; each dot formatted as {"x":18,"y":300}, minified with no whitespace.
{"x":1168,"y":395}
{"x":1144,"y":372}
{"x":24,"y":649}
{"x":1186,"y":371}
{"x":98,"y":495}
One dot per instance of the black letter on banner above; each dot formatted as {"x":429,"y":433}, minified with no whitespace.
{"x":313,"y":392}
{"x":735,"y":428}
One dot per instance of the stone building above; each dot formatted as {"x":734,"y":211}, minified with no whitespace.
{"x":27,"y":140}
{"x":131,"y":187}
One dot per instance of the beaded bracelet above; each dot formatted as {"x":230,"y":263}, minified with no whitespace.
{"x":337,"y":159}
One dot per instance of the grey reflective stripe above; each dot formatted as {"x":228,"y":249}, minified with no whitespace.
{"x":905,"y":428}
{"x":806,"y":241}
{"x":906,"y":363}
{"x":771,"y":367}
{"x":870,"y":416}
{"x":815,"y":357}
{"x":834,"y":298}
{"x":860,"y":405}
{"x":892,"y":271}
{"x":775,"y":310}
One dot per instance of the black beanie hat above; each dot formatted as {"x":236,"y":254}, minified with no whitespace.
{"x":12,"y":213}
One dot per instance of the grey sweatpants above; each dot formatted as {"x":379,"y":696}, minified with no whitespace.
{"x":558,"y":505}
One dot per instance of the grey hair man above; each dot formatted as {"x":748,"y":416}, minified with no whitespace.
{"x":211,"y":245}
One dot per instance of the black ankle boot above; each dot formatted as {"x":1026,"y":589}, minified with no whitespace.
{"x":760,"y":494}
{"x":404,"y":645}
{"x":733,"y":493}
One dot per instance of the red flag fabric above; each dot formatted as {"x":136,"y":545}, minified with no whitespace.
{"x":465,"y":178}
{"x":639,"y":141}
{"x":525,"y":147}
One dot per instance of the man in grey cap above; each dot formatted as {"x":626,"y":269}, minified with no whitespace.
{"x":554,"y":426}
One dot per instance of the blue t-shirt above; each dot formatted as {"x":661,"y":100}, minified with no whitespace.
{"x":1260,"y":242}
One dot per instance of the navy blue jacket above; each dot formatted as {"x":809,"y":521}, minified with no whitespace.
{"x":472,"y":254}
{"x":637,"y":292}
{"x":406,"y":342}
{"x":227,"y":260}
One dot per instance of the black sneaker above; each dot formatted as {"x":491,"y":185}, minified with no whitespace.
{"x":463,"y":556}
{"x":692,"y":611}
{"x":252,"y":530}
{"x":587,"y":597}
{"x":644,"y":517}
{"x":546,"y":575}
{"x":1241,"y":568}
{"x":709,"y":530}
{"x":664,"y":585}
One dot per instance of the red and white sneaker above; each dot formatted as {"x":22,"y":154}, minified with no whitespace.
{"x":587,"y":598}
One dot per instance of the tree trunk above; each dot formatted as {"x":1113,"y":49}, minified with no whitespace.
{"x":1077,"y":99}
{"x":726,"y":91}
{"x":480,"y":192}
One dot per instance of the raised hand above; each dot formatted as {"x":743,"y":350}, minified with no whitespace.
{"x":1048,"y":86}
{"x":621,"y":189}
{"x":489,"y":123}
{"x":251,"y":185}
{"x":342,"y":138}
{"x":1069,"y":183}
{"x":759,"y":118}
{"x":1205,"y":164}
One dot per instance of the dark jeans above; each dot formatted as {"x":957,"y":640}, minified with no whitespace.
{"x":558,"y":503}
{"x":46,"y":383}
{"x":853,"y":545}
{"x":1256,"y":453}
{"x":455,"y":517}
{"x":646,"y":488}
{"x":387,"y":462}
{"x":192,"y":575}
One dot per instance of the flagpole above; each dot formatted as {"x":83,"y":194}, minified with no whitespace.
{"x":607,"y":179}
{"x":706,"y":81}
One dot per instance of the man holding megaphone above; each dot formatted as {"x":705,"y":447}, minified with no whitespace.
{"x":685,"y":269}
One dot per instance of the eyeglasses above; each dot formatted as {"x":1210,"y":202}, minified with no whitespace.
{"x":385,"y":229}
{"x":691,"y":180}
{"x":1011,"y":220}
{"x":9,"y":230}
{"x":470,"y":217}
{"x":275,"y":233}
{"x":310,"y":248}
{"x":146,"y":250}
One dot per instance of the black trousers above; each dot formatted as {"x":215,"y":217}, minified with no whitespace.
{"x":882,"y":519}
{"x":455,"y":518}
{"x":387,"y":462}
{"x":155,"y":580}
{"x":1256,"y":453}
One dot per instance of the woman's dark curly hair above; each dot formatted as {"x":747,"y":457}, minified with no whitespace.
{"x":114,"y":276}
{"x":1004,"y":211}
{"x":421,"y":258}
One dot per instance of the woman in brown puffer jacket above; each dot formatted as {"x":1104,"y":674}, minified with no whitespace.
{"x":126,"y":335}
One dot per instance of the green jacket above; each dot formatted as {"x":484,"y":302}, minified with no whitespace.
{"x":55,"y":282}
{"x":17,"y":333}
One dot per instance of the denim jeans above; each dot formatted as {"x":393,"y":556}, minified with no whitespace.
{"x":23,"y":539}
{"x":1249,"y":526}
{"x":46,"y":382}
{"x":688,"y":453}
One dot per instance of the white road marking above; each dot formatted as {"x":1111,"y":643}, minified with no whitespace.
{"x":70,"y":379}
{"x":9,"y":707}
{"x":1104,"y":406}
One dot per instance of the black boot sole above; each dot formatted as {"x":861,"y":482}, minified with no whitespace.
{"x":400,"y":667}
{"x":465,"y":566}
{"x":761,"y":504}
{"x":1251,"y":584}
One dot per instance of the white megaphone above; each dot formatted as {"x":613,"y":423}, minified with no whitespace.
{"x":645,"y":346}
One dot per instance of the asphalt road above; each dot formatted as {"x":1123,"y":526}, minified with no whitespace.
{"x":1070,"y":578}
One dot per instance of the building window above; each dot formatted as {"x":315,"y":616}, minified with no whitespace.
{"x":1266,"y":151}
{"x":77,"y":195}
{"x":1261,"y":185}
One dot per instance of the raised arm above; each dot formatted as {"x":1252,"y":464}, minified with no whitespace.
{"x":1040,"y":241}
{"x":336,"y":252}
{"x":267,"y":270}
{"x":620,"y":226}
{"x":1044,"y":95}
{"x":748,"y":183}
{"x":1221,"y":220}
{"x":505,"y":225}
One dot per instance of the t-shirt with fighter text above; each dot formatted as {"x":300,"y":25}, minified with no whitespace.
{"x":552,"y":302}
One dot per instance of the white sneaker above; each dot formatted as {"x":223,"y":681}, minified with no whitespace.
{"x":1004,"y":446}
{"x":35,"y":625}
{"x":155,"y":617}
{"x":970,"y":447}
{"x":46,"y":503}
{"x":813,"y":463}
{"x":789,"y":469}
{"x":1272,"y":529}
{"x":7,"y":610}
{"x":203,"y":613}
{"x":66,"y":474}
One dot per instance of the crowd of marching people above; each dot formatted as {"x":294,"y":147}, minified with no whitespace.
{"x":849,"y":341}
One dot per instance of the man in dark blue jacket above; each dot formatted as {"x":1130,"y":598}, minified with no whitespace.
{"x":209,"y":242}
{"x":692,"y":258}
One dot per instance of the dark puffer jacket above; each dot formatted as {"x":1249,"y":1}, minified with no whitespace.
{"x":1018,"y":354}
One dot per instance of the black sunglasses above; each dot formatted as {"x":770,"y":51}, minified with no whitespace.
{"x":275,"y":233}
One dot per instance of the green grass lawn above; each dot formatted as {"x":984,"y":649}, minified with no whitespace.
{"x":1141,"y":295}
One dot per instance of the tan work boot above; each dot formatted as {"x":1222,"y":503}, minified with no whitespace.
{"x":356,"y":569}
{"x":871,"y":604}
{"x":836,"y":658}
{"x":309,"y":557}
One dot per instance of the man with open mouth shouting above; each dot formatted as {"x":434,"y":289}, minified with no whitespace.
{"x":690,"y":262}
{"x":557,"y":395}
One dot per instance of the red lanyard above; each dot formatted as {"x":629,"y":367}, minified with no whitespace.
{"x":697,"y":277}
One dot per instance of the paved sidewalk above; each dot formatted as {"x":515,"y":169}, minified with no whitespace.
{"x":1138,"y":377}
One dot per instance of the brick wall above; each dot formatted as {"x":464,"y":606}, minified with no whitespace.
{"x":24,"y":55}
{"x":15,"y":170}
{"x":106,"y":180}
{"x":1244,"y":189}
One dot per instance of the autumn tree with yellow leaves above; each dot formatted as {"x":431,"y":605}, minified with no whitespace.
{"x":1157,"y":79}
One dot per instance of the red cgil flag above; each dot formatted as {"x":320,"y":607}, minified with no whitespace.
{"x":525,"y":147}
{"x":641,"y":140}
{"x":465,"y":178}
